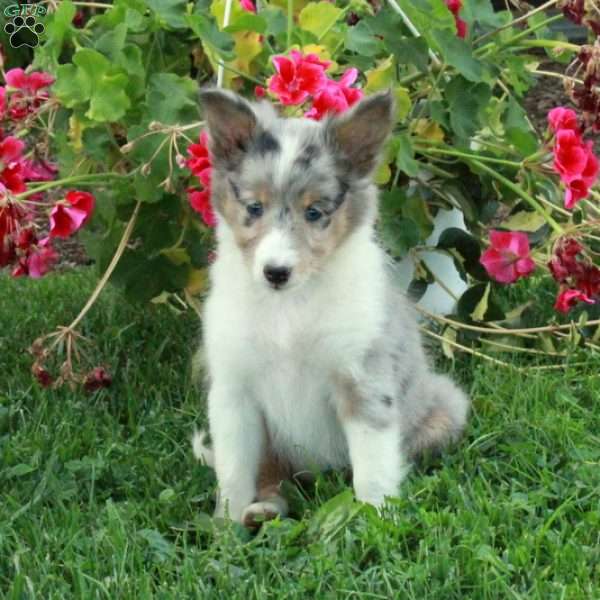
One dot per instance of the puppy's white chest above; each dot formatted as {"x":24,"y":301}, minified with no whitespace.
{"x":295,"y":394}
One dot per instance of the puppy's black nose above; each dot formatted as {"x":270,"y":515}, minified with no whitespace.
{"x":277,"y":276}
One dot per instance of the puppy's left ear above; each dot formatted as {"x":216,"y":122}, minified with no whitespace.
{"x":356,"y":137}
{"x":231,"y":125}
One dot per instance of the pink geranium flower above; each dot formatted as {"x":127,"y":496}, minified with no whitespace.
{"x":41,"y":259}
{"x":31,"y":84}
{"x":200,"y":164}
{"x":298,"y":77}
{"x":11,"y":167}
{"x":568,"y":298}
{"x":200,"y":201}
{"x":40,"y":171}
{"x":455,"y":7}
{"x":248,"y":5}
{"x":27,"y":91}
{"x":563,"y":118}
{"x":336,"y":96}
{"x":199,"y":157}
{"x":507,"y":259}
{"x":71,"y":214}
{"x":570,"y":156}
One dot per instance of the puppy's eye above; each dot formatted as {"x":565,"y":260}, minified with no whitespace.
{"x":312,"y":214}
{"x":255,"y":209}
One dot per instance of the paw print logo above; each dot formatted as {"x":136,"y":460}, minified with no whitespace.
{"x":24,"y":32}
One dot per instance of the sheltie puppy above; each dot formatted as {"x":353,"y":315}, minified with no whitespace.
{"x":313,"y":355}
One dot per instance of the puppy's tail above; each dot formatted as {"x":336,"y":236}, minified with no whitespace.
{"x":444,"y":421}
{"x":202,"y":451}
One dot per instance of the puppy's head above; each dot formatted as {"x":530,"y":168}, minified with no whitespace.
{"x":292,"y":190}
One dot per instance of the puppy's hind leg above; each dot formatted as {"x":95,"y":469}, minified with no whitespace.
{"x":444,"y":420}
{"x":270,"y":501}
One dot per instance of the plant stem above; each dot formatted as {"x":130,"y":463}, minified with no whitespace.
{"x":226,"y":18}
{"x":516,"y":21}
{"x":290,"y":22}
{"x":328,"y":29}
{"x":239,"y":73}
{"x":409,"y":24}
{"x":111,"y":267}
{"x":467,"y":349}
{"x":522,"y":193}
{"x":490,"y":48}
{"x":459,"y":154}
{"x":557,"y":76}
{"x":550,"y":44}
{"x":80,"y":179}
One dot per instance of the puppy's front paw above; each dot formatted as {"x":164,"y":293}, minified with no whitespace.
{"x":375,"y":500}
{"x":266,"y":510}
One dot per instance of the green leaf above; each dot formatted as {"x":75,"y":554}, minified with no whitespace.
{"x":72,"y":86}
{"x":59,"y":30}
{"x":415,"y":208}
{"x":524,"y":220}
{"x":361,"y":39}
{"x":428,"y":16}
{"x":172,"y":99}
{"x":410,"y":51}
{"x":319,"y":17}
{"x":247,"y":22}
{"x":465,"y":250}
{"x":405,"y":160}
{"x":112,"y":42}
{"x":161,"y":548}
{"x":518,"y":128}
{"x":92,"y":77}
{"x":381,"y":76}
{"x":144,"y":278}
{"x":332,"y":517}
{"x":476,"y":304}
{"x":465,"y":102}
{"x":403,"y":102}
{"x":170,"y":12}
{"x":109,"y":101}
{"x":459,"y":54}
{"x":398,"y":235}
{"x":207,"y":31}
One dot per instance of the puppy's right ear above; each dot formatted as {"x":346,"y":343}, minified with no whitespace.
{"x":231,"y":125}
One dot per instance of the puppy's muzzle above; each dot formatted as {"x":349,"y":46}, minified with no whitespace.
{"x":277,"y":276}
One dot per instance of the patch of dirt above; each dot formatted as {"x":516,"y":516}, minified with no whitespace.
{"x":545,"y":95}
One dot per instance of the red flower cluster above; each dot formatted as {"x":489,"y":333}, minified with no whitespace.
{"x":578,"y":277}
{"x":300,"y":77}
{"x":574,"y":159}
{"x":199,"y":163}
{"x":248,"y":5}
{"x":508,"y":258}
{"x":455,"y":7}
{"x":20,"y":246}
{"x":586,"y":96}
{"x":71,"y":214}
{"x":24,"y":93}
{"x":578,"y":12}
{"x":335,"y":96}
{"x":96,"y":379}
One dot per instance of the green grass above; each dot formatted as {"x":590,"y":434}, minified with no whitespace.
{"x":101,"y":498}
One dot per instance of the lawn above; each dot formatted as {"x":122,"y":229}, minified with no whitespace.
{"x":100,"y":496}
